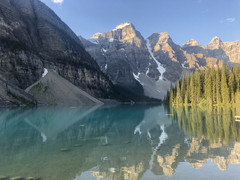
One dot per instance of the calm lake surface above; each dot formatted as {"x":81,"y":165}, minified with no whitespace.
{"x":120,"y":142}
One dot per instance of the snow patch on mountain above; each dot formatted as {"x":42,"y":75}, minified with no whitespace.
{"x":147,"y":71}
{"x":104,"y":50}
{"x":121,"y":26}
{"x":183,"y":65}
{"x":160,"y":68}
{"x":94,"y":41}
{"x":45,"y":72}
{"x":96,"y":36}
{"x":138,"y":78}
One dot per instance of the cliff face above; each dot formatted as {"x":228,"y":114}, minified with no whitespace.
{"x":33,"y":37}
{"x":169,"y":54}
{"x":232,"y":50}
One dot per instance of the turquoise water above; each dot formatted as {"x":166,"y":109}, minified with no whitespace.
{"x":119,"y":142}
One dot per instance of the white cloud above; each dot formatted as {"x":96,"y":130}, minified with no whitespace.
{"x":231,"y":20}
{"x":58,"y":1}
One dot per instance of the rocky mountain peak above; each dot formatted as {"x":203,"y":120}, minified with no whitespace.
{"x":118,"y":27}
{"x":190,"y":43}
{"x":96,"y":36}
{"x":161,"y":39}
{"x":125,"y":33}
{"x":164,"y":37}
{"x":216,"y":38}
{"x":215,"y":43}
{"x":122,"y":25}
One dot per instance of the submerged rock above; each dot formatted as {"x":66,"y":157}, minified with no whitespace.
{"x":65,"y":150}
{"x":77,"y":145}
{"x":3,"y":177}
{"x":16,"y":178}
{"x":33,"y":178}
{"x":30,"y":178}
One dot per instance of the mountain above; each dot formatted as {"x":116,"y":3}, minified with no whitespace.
{"x":169,"y":54}
{"x":155,"y":62}
{"x":216,"y":52}
{"x":126,"y":58}
{"x":120,"y":53}
{"x":215,"y":43}
{"x":33,"y":37}
{"x":227,"y":51}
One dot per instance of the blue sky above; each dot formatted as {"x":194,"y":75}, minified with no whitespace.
{"x":183,"y":19}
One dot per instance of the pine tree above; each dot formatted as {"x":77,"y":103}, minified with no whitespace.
{"x":208,"y":87}
{"x":179,"y":97}
{"x":236,"y":71}
{"x":232,"y":87}
{"x":213,"y":75}
{"x":224,"y":87}
{"x":171,"y":97}
{"x":186,"y":97}
{"x":198,"y":87}
{"x":218,"y":87}
{"x":192,"y":90}
{"x":183,"y":89}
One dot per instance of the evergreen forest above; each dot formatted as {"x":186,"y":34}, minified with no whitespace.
{"x":213,"y":87}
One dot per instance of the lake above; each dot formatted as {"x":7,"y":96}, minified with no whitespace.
{"x":120,"y":143}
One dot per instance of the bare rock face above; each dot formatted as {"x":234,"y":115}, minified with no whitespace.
{"x":125,"y":33}
{"x":193,"y":47}
{"x":191,"y":42}
{"x":169,"y":54}
{"x":215,"y":43}
{"x":232,"y":50}
{"x":32,"y":36}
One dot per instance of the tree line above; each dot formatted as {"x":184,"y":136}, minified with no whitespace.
{"x":214,"y":86}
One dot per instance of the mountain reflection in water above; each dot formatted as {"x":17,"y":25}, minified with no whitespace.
{"x":120,"y":142}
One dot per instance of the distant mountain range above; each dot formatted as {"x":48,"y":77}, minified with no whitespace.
{"x":156,"y":62}
{"x":119,"y":64}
